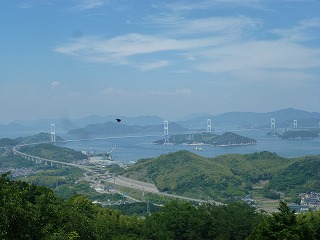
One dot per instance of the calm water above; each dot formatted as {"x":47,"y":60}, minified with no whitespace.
{"x":133,"y":148}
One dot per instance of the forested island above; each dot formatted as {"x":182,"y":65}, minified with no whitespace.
{"x":226,"y":139}
{"x":299,"y":134}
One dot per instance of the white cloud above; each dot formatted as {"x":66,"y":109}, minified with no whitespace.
{"x":214,"y":44}
{"x":178,"y":92}
{"x":120,"y":49}
{"x":228,"y":28}
{"x":205,"y":4}
{"x":90,"y":4}
{"x":55,"y":84}
{"x":154,"y":65}
{"x":33,"y":3}
{"x":268,"y":55}
{"x":304,"y":31}
{"x":110,"y":91}
{"x":218,"y":25}
{"x":174,"y":25}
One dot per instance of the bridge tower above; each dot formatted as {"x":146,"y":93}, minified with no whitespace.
{"x":209,"y":125}
{"x":273,"y":123}
{"x":166,"y":131}
{"x":273,"y":126}
{"x":53,"y":133}
{"x":295,"y":123}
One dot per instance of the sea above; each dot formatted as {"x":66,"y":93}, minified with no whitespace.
{"x":131,"y":148}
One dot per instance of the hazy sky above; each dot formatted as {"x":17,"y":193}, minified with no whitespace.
{"x":74,"y":58}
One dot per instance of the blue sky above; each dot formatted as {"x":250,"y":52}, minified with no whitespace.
{"x":74,"y":58}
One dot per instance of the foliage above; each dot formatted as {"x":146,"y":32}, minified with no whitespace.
{"x":139,"y":208}
{"x":271,"y":194}
{"x":115,"y":169}
{"x":64,"y":182}
{"x":285,"y":224}
{"x":34,"y":212}
{"x":301,"y":176}
{"x":14,"y":161}
{"x":186,"y":173}
{"x":53,"y":152}
{"x":6,"y":142}
{"x":181,"y":220}
{"x":220,"y":178}
{"x":31,"y":212}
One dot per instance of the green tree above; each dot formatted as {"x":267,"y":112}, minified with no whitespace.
{"x":177,"y":220}
{"x":279,"y":225}
{"x":232,"y":221}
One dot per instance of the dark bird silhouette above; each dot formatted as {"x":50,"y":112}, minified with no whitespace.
{"x":118,"y":120}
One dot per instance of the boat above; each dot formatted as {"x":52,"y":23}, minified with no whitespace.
{"x":198,"y":149}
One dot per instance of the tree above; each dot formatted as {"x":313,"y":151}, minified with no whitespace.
{"x":279,"y":225}
{"x":177,"y":220}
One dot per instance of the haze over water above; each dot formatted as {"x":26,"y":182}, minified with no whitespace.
{"x":133,"y":148}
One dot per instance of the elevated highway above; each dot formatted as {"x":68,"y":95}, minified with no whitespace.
{"x":119,"y":180}
{"x":35,"y":159}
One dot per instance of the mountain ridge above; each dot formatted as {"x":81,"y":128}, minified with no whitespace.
{"x":119,"y":128}
{"x":284,"y":119}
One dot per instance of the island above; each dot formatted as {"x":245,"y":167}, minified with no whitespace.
{"x":299,"y":134}
{"x":226,"y":139}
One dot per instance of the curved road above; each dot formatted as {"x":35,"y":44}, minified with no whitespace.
{"x":121,"y":181}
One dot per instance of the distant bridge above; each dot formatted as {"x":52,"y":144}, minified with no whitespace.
{"x":121,"y":181}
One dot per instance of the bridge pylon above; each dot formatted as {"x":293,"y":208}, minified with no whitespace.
{"x":53,"y":133}
{"x":273,"y":126}
{"x":166,"y":132}
{"x":209,"y":125}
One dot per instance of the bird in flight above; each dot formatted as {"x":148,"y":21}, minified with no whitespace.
{"x":118,"y":120}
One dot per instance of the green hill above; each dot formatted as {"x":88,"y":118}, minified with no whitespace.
{"x":184,"y":173}
{"x":8,"y":142}
{"x":301,"y":176}
{"x":254,"y":166}
{"x":37,"y":138}
{"x":219,"y":178}
{"x":53,"y":152}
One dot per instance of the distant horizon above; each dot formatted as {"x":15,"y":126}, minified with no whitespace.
{"x":191,"y":115}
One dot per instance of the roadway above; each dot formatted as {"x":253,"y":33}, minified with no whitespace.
{"x":119,"y":180}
